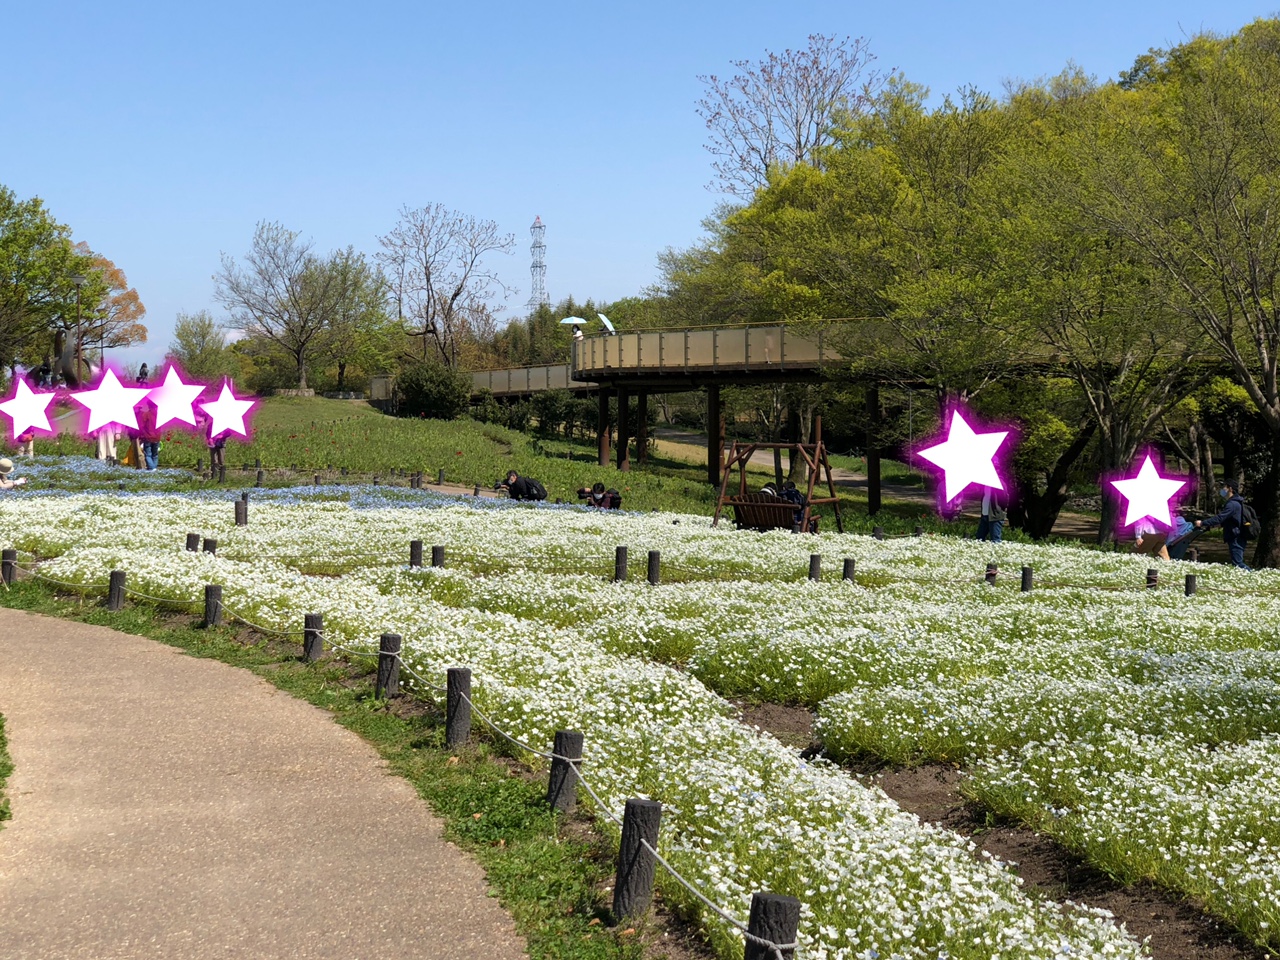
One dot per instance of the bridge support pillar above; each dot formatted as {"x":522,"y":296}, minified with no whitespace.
{"x":602,"y":427}
{"x":624,"y":429}
{"x":642,"y":426}
{"x":715,"y":435}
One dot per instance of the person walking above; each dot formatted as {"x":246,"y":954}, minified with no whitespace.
{"x":148,"y":435}
{"x":994,"y":514}
{"x":1231,"y":519}
{"x":26,"y":443}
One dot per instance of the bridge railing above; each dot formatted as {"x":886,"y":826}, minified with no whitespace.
{"x":522,"y":380}
{"x":715,"y":350}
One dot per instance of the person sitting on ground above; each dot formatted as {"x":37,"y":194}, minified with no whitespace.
{"x":1231,"y":519}
{"x":6,"y":481}
{"x":600,"y":498}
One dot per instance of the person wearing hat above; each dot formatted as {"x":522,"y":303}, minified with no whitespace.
{"x":6,"y":482}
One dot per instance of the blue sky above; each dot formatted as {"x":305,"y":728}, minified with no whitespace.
{"x":162,"y":133}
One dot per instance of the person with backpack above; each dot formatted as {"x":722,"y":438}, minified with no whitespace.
{"x":1238,"y":519}
{"x":523,"y":488}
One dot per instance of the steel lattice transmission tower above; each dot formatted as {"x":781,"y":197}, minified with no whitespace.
{"x":538,"y":268}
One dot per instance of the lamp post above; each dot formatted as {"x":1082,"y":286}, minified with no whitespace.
{"x":78,"y":280}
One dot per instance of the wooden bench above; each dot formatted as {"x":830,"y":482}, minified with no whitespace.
{"x":759,"y":511}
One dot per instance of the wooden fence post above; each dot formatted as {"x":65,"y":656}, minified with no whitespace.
{"x":562,"y":784}
{"x":212,"y":605}
{"x":115,"y":590}
{"x":388,"y":682}
{"x":457,"y":711}
{"x":317,"y":480}
{"x":440,"y":477}
{"x":849,"y":568}
{"x":1191,"y":585}
{"x":633,"y":884}
{"x":1026,"y":579}
{"x":655,"y":567}
{"x":815,"y":566}
{"x":415,"y":553}
{"x":1193,"y":555}
{"x":242,"y":513}
{"x":775,"y":919}
{"x":919,"y":531}
{"x":8,"y":565}
{"x":312,"y":636}
{"x":211,"y":546}
{"x":878,"y":532}
{"x":476,"y":491}
{"x":992,"y":570}
{"x":193,"y":542}
{"x":437,"y":556}
{"x":258,"y":482}
{"x":620,"y":564}
{"x":1153,"y":578}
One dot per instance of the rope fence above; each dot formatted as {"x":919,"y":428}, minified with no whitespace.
{"x":774,"y":920}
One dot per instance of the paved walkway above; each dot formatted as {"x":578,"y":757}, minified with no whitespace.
{"x":166,"y":806}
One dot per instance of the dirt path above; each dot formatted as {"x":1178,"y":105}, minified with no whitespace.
{"x":168,"y":806}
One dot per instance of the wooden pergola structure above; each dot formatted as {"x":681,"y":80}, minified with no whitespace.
{"x":762,"y":512}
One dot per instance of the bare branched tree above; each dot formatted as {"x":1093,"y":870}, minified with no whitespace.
{"x":434,"y":262}
{"x":283,"y":293}
{"x":783,"y":109}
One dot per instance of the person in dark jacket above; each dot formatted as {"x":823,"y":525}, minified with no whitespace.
{"x":518,"y":487}
{"x":1231,"y":519}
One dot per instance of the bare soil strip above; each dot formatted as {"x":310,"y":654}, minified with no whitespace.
{"x":1177,"y":930}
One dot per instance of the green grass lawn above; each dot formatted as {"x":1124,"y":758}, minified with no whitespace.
{"x":297,"y":437}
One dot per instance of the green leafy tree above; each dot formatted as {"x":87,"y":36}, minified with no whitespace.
{"x":1186,"y":169}
{"x":199,"y":347}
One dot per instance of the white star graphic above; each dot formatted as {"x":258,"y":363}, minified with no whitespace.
{"x":227,"y":412}
{"x":110,"y":402}
{"x":1148,"y":494}
{"x":27,"y":408}
{"x":966,"y":457}
{"x":174,"y":399}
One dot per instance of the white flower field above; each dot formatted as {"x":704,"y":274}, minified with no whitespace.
{"x":1137,"y":726}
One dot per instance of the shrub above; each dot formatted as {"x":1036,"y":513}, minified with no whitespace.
{"x":430,"y":389}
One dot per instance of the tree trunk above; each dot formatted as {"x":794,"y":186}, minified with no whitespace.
{"x":1204,"y":496}
{"x":1042,"y":509}
{"x":302,"y":373}
{"x":342,"y":377}
{"x":1267,"y":503}
{"x":873,"y":415}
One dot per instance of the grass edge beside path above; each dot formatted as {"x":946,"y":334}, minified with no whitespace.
{"x":6,"y":768}
{"x":552,"y":874}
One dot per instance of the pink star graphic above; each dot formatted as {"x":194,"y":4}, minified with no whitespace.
{"x":965,"y":457}
{"x":227,"y":412}
{"x":110,"y":402}
{"x":28,"y":409}
{"x":1148,"y":494}
{"x":174,"y":399}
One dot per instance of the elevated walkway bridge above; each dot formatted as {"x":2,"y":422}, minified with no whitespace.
{"x":671,"y":361}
